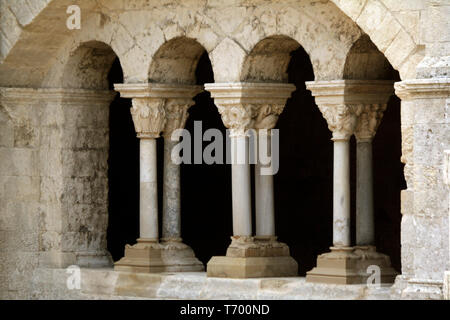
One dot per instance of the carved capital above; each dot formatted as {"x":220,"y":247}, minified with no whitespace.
{"x":349,"y":105}
{"x":266,"y":115}
{"x":246,"y":106}
{"x":151,"y":103}
{"x":148,"y":117}
{"x":176,"y":115}
{"x":369,"y":119}
{"x":237,"y":118}
{"x":341,"y":119}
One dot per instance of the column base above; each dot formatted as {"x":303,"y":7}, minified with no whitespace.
{"x":349,"y":265}
{"x":150,"y":256}
{"x":257,"y":257}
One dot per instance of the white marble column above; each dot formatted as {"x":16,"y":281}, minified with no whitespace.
{"x":149,"y":118}
{"x":352,"y":106}
{"x":341,"y":193}
{"x":341,"y":119}
{"x":343,"y":104}
{"x":368,"y":121}
{"x":245,"y":106}
{"x":266,"y":117}
{"x":148,"y":199}
{"x":241,"y":184}
{"x":158,"y":107}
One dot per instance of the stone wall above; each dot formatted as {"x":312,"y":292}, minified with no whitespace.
{"x":54,"y":149}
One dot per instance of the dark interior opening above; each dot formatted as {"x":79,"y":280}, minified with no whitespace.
{"x":206,"y":223}
{"x":304,"y":184}
{"x":123,"y":172}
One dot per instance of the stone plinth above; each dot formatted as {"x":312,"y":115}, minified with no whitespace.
{"x":351,"y":265}
{"x":153,"y":257}
{"x":249,"y":257}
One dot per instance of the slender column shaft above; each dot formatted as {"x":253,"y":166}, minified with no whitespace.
{"x":171,"y":224}
{"x":264,"y":197}
{"x":241,"y":192}
{"x":365,"y":223}
{"x":341,"y":193}
{"x":148,"y":190}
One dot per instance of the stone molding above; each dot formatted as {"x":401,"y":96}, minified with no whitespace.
{"x":245,"y":105}
{"x":352,"y":106}
{"x":157,"y":90}
{"x":68,"y":96}
{"x":423,"y":89}
{"x":158,"y":106}
{"x":336,"y":92}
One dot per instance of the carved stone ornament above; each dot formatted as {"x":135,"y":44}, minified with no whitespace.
{"x":237,"y":118}
{"x":341,"y":119}
{"x":148,"y":117}
{"x":266,"y":116}
{"x":176,"y":115}
{"x":246,"y":106}
{"x":369,"y":119}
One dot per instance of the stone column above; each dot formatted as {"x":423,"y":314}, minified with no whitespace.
{"x":154,"y":111}
{"x":341,"y":120}
{"x":149,"y":118}
{"x":245,"y":106}
{"x":177,"y":255}
{"x":266,"y":117}
{"x":264,"y":194}
{"x":368,"y":122}
{"x":342,"y":102}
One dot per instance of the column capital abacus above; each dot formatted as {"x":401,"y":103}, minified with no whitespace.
{"x":245,"y":105}
{"x":423,"y":88}
{"x":348,"y":105}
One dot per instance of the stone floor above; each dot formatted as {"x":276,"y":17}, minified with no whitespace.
{"x":108,"y":284}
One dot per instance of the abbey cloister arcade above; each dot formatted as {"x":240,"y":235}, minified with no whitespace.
{"x":359,"y":96}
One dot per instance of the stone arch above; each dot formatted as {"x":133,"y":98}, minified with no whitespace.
{"x":83,"y":132}
{"x":176,"y":61}
{"x":365,"y":61}
{"x":268,"y":60}
{"x":88,"y":66}
{"x":376,"y":19}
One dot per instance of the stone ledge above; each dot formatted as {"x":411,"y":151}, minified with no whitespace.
{"x":108,"y":284}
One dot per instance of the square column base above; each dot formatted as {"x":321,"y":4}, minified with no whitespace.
{"x":149,"y":256}
{"x":352,"y":265}
{"x":249,"y":257}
